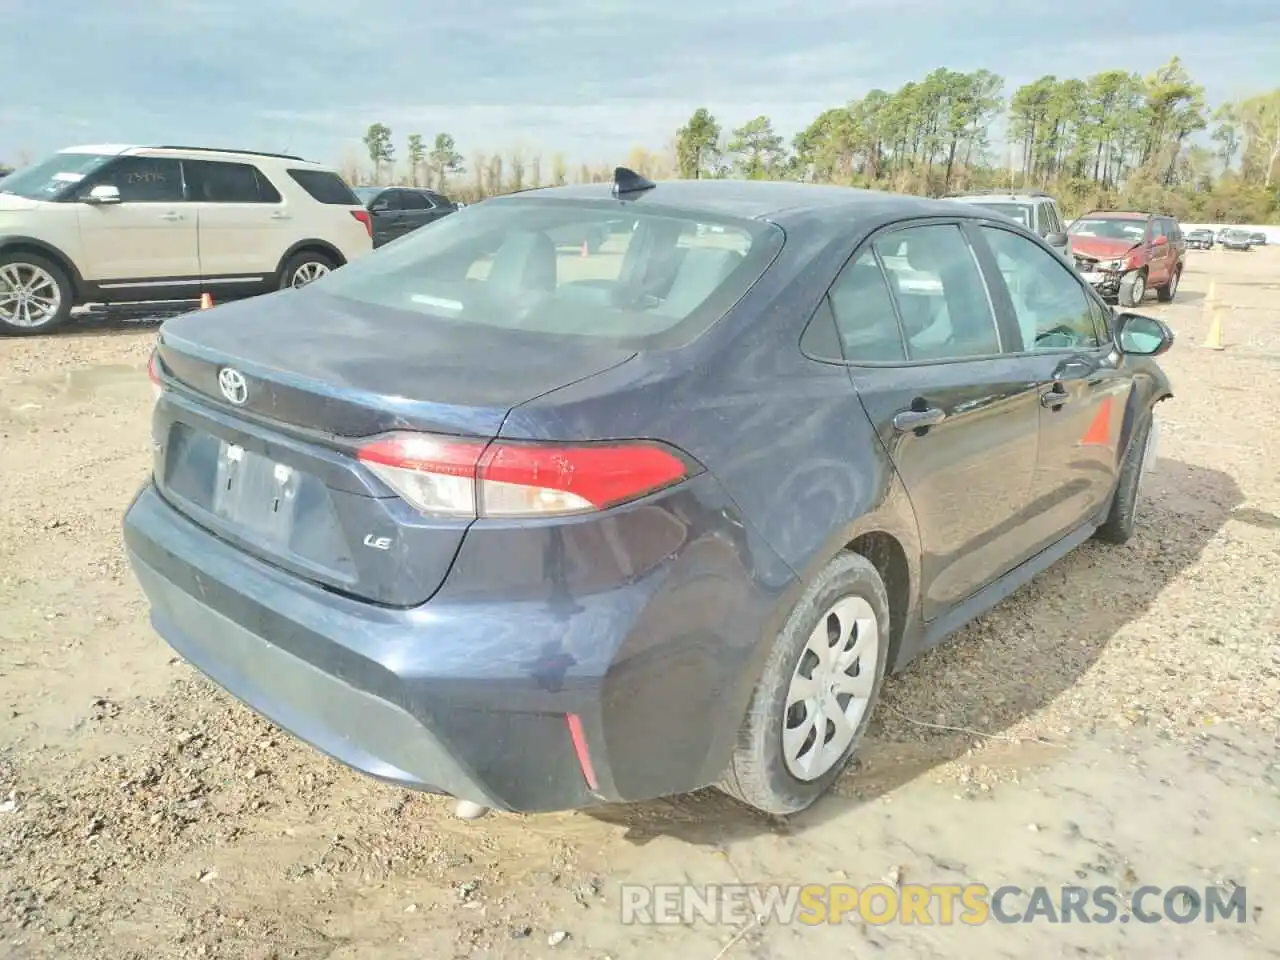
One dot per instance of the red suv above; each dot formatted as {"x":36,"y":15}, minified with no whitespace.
{"x":1122,"y":254}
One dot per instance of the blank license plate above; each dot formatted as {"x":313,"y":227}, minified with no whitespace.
{"x":254,"y":492}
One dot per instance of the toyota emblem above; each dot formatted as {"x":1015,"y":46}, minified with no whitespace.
{"x":233,"y":385}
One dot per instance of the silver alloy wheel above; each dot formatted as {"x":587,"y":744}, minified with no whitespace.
{"x":307,"y":272}
{"x":830,"y":689}
{"x":29,"y":296}
{"x":1148,"y":457}
{"x":1139,"y":289}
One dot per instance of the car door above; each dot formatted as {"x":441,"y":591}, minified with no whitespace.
{"x":145,"y":247}
{"x":1063,"y":329}
{"x":1161,"y":253}
{"x":419,"y":210}
{"x":244,"y":226}
{"x":958,"y":418}
{"x":389,"y":216}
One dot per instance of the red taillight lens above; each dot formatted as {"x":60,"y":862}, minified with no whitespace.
{"x":153,"y":374}
{"x":446,"y":476}
{"x":363,"y":217}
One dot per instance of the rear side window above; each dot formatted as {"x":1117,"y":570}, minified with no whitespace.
{"x":325,"y":187}
{"x":210,"y":181}
{"x":866,"y":321}
{"x":568,"y":269}
{"x":941,"y":296}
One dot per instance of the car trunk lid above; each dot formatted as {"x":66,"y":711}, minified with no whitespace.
{"x":265,"y":457}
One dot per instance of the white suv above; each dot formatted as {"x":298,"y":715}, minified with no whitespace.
{"x":115,"y":224}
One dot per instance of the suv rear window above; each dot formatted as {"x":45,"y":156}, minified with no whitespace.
{"x":568,"y":269}
{"x":325,"y":187}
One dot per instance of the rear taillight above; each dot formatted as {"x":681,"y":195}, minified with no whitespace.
{"x":447,"y":476}
{"x":153,"y":374}
{"x":363,"y":217}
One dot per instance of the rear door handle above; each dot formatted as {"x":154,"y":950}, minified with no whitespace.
{"x":171,"y":215}
{"x":280,"y":215}
{"x":907,"y":420}
{"x":1054,"y":398}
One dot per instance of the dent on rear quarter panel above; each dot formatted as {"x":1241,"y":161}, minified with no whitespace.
{"x":785,"y":436}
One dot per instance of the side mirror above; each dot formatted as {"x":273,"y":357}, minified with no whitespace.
{"x":1056,"y":239}
{"x":1160,"y":241}
{"x":103,"y":194}
{"x":380,"y":206}
{"x":1142,"y":336}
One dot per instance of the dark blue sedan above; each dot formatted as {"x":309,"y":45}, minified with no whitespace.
{"x":542,"y":527}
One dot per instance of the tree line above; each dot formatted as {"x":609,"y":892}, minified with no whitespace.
{"x":1112,"y":140}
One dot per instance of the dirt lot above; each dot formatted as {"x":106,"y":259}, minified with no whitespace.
{"x":1114,"y":722}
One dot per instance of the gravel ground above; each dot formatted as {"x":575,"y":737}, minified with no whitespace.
{"x":1113,"y":722}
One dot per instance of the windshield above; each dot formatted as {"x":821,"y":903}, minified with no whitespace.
{"x":366,"y":193}
{"x":1240,"y":235}
{"x":562,"y":268}
{"x":1019,"y":212}
{"x":1130,"y":230}
{"x":51,"y":178}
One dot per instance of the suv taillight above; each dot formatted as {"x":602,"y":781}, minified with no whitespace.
{"x":153,"y":373}
{"x":449,"y":476}
{"x":363,"y":217}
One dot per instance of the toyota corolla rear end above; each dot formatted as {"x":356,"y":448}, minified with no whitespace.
{"x":340,"y":531}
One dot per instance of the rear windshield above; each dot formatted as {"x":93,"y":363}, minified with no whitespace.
{"x":566,"y":268}
{"x":325,"y":187}
{"x":1019,"y":212}
{"x":1133,"y":230}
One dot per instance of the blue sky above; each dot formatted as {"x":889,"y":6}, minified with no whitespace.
{"x":589,"y":78}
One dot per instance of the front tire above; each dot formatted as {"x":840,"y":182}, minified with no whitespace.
{"x":36,"y":295}
{"x":1133,"y":287}
{"x":304,"y":268}
{"x":816,"y":694}
{"x":1120,"y":522}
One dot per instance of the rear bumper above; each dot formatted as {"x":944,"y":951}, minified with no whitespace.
{"x":470,"y":696}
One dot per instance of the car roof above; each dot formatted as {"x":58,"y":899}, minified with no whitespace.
{"x":1120,"y":215}
{"x":120,"y":149}
{"x":998,"y":197}
{"x":772,"y":200}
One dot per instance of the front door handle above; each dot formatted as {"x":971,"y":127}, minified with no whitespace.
{"x":171,"y":215}
{"x":1054,"y":399}
{"x":280,"y":215}
{"x":908,"y":420}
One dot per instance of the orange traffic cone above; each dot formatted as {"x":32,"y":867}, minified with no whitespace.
{"x":206,"y":301}
{"x":586,"y":252}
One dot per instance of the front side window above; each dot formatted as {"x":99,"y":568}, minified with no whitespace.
{"x":1052,"y":308}
{"x":55,"y":177}
{"x":562,"y":268}
{"x":941,"y":296}
{"x":141,"y":180}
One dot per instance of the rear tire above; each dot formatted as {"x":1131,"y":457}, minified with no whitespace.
{"x":1120,"y":522}
{"x":1166,"y":293}
{"x":305,"y":267}
{"x":36,"y":295}
{"x":770,"y":769}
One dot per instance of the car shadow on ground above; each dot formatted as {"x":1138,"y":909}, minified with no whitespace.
{"x":1191,"y":505}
